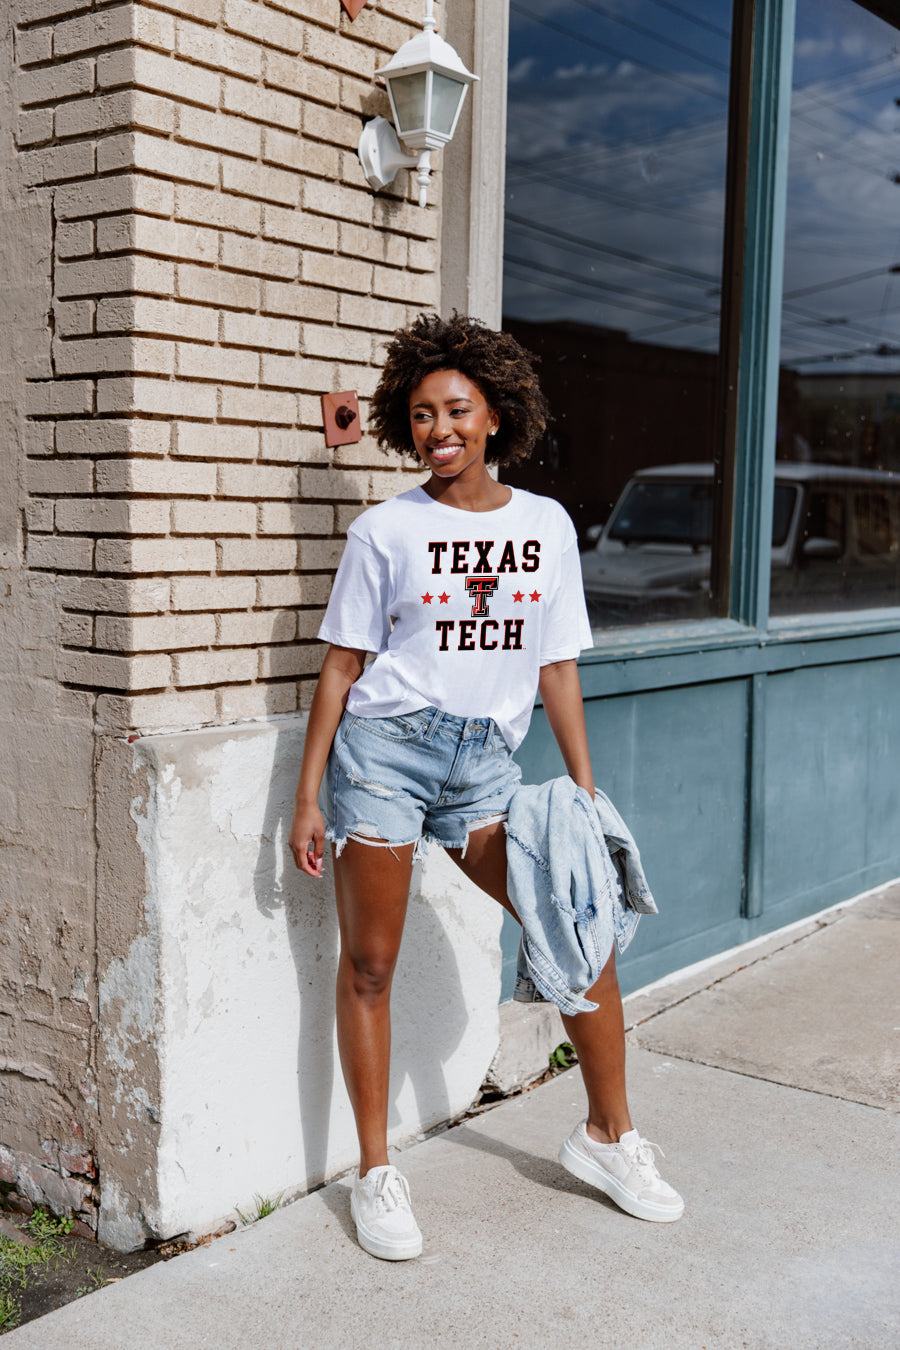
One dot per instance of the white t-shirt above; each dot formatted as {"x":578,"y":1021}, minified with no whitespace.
{"x":462,"y":608}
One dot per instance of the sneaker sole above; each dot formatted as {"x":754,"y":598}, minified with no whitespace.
{"x":585,"y":1170}
{"x":403,"y":1249}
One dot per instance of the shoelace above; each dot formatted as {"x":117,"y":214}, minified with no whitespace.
{"x":391,"y":1192}
{"x":644,"y":1160}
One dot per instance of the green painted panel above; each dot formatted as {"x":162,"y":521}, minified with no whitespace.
{"x":832,"y":801}
{"x":674,"y":762}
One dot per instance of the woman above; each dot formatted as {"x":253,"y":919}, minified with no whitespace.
{"x":469,"y":594}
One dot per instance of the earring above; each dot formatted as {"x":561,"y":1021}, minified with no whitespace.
{"x":493,"y":433}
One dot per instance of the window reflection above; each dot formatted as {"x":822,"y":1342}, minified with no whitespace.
{"x":616,"y":161}
{"x":839,"y":394}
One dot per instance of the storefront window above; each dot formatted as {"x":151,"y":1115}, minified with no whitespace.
{"x":616,"y":162}
{"x":839,"y":392}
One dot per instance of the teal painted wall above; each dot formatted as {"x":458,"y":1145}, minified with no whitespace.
{"x":812,"y":800}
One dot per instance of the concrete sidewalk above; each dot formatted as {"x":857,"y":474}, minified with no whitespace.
{"x":771,"y":1079}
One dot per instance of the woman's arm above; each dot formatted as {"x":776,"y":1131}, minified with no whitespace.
{"x":341,"y":669}
{"x":560,"y":690}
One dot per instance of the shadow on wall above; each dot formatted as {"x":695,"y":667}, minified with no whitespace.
{"x":429,"y":1004}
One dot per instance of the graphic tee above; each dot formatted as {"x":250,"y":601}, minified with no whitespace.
{"x":461,"y":608}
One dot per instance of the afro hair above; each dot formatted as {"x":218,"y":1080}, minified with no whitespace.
{"x":501,"y":368}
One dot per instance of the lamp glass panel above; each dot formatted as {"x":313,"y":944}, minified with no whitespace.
{"x":410,"y":103}
{"x":446,"y":95}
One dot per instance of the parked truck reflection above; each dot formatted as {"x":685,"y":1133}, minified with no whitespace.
{"x":835,"y":544}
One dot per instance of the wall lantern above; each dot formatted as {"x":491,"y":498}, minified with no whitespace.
{"x":426,"y":83}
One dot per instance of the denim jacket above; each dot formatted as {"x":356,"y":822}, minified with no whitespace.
{"x":575,"y":879}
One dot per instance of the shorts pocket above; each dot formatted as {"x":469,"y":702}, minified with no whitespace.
{"x":388,"y":728}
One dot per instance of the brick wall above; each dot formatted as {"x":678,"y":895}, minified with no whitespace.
{"x":218,"y":262}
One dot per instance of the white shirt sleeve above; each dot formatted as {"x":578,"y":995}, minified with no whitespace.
{"x":357,"y":613}
{"x":566,"y":630}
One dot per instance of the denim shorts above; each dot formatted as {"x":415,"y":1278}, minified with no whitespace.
{"x":423,"y":776}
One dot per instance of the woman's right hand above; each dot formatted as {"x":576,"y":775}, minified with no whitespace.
{"x":307,"y":838}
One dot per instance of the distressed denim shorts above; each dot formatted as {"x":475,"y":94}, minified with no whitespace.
{"x":423,"y":776}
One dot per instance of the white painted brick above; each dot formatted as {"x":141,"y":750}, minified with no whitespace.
{"x":57,"y":398}
{"x":293,"y":590}
{"x":35,"y":127}
{"x":156,"y":477}
{"x":387,"y":485}
{"x":140,"y":314}
{"x":337,"y":484}
{"x":155,"y":633}
{"x":57,"y":163}
{"x":257,"y":555}
{"x":290,"y":660}
{"x":50,"y":551}
{"x":299,"y":227}
{"x":217,"y":288}
{"x":166,"y":397}
{"x":423,"y":255}
{"x":110,"y":112}
{"x":207,"y":207}
{"x":33,"y":45}
{"x":119,"y":595}
{"x":112,"y":355}
{"x":101,"y":276}
{"x":201,"y":441}
{"x":266,"y":25}
{"x":125,"y":192}
{"x":113,"y":437}
{"x":333,"y":199}
{"x":365,"y":454}
{"x":259,"y":257}
{"x":253,"y":330}
{"x":332,"y":126}
{"x":57,"y":476}
{"x":257,"y":480}
{"x":109,"y":27}
{"x":155,"y":555}
{"x":287,"y":446}
{"x":234,"y":134}
{"x":346,"y":274}
{"x":259,"y":180}
{"x":391,"y":214}
{"x":345,"y":516}
{"x":39,"y":516}
{"x":362,"y":311}
{"x":52,"y":83}
{"x":213,"y":518}
{"x":99,"y":671}
{"x":156,"y":712}
{"x":145,"y":234}
{"x":339,"y":344}
{"x":74,"y":239}
{"x":104,"y":515}
{"x":259,"y":405}
{"x":300,"y":302}
{"x":376,"y":245}
{"x":263,"y":105}
{"x":237,"y":702}
{"x":217,"y":363}
{"x":159,"y":73}
{"x":301,"y":77}
{"x":215,"y":593}
{"x":156,"y":154}
{"x":207,"y":11}
{"x":210,"y":47}
{"x":217,"y":667}
{"x":399,"y":284}
{"x":309,"y":621}
{"x":340,"y":52}
{"x":245,"y":630}
{"x":320,"y":554}
{"x":76,"y":630}
{"x":38,"y":438}
{"x":292,"y":518}
{"x":364,"y":379}
{"x":35,"y":11}
{"x":282,"y":372}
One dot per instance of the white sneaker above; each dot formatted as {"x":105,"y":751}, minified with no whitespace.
{"x":385,"y":1227}
{"x":625,"y":1171}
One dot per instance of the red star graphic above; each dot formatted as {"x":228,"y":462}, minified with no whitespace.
{"x":534,"y":596}
{"x":444,"y":599}
{"x":426,"y":599}
{"x":517,"y":597}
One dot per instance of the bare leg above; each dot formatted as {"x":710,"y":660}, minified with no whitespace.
{"x":372,"y":888}
{"x":598,"y":1037}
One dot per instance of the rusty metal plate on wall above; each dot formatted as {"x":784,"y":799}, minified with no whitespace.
{"x":341,"y":415}
{"x":353,"y":7}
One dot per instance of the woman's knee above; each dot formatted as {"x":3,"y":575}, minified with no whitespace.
{"x":369,"y":973}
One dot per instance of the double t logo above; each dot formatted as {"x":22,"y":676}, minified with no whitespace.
{"x":480,"y":590}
